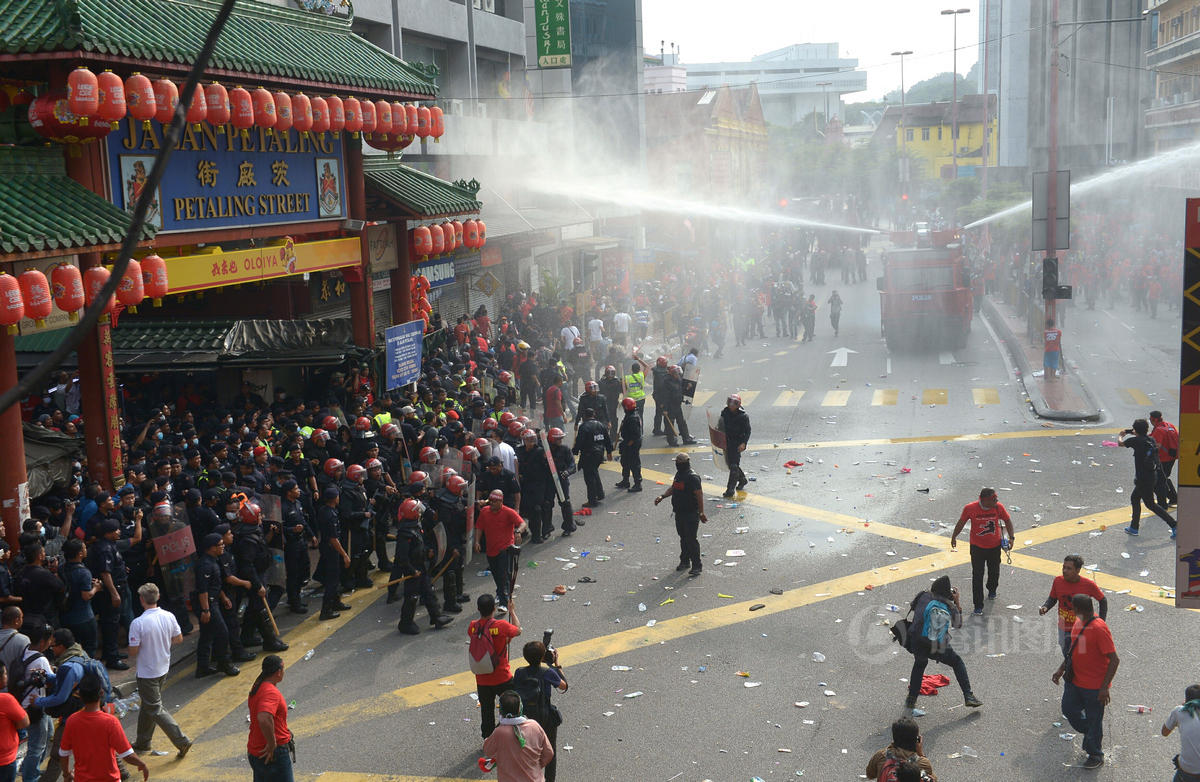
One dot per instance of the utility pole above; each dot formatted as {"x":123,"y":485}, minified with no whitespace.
{"x":987,"y":96}
{"x":1052,"y":155}
{"x":954,"y":82}
{"x":903,"y":127}
{"x":824,"y":85}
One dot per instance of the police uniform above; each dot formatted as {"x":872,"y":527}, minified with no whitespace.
{"x":659,"y":375}
{"x":384,"y":506}
{"x":452,"y":513}
{"x":355,"y":512}
{"x":610,"y":389}
{"x":233,"y":624}
{"x":595,"y":402}
{"x":564,"y":463}
{"x":105,"y":558}
{"x":630,"y":450}
{"x":251,"y":560}
{"x":592,"y":443}
{"x":411,"y":560}
{"x":295,"y":551}
{"x":537,"y":491}
{"x":214,"y":635}
{"x":672,"y":402}
{"x":736,"y":425}
{"x":329,"y":565}
{"x":635,"y":389}
{"x":687,"y":516}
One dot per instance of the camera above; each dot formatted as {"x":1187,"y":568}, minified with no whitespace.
{"x":551,"y":656}
{"x":38,"y":678}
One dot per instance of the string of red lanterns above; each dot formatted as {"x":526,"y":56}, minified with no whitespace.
{"x":31,"y":295}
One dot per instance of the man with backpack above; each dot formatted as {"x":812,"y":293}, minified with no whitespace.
{"x":934,"y":613}
{"x":488,"y":654}
{"x":71,"y":663}
{"x":26,"y":682}
{"x":533,"y":683}
{"x":906,"y":744}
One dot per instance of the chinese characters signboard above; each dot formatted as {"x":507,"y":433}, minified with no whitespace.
{"x":404,"y":353}
{"x":197,"y":272}
{"x":219,"y":178}
{"x":1187,"y":564}
{"x":553,"y":33}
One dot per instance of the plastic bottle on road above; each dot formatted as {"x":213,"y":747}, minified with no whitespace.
{"x":895,"y":609}
{"x":1139,"y":709}
{"x":967,"y":752}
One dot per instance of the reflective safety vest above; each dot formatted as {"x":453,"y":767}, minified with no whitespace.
{"x":383,"y":419}
{"x":306,"y":431}
{"x":635,"y":386}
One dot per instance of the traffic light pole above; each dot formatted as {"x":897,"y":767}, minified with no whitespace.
{"x":1052,"y":159}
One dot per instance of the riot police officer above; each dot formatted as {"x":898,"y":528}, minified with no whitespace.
{"x":564,"y":463}
{"x":354,"y":511}
{"x":537,"y":487}
{"x":333,"y":558}
{"x":593,"y":400}
{"x":297,"y":533}
{"x":411,"y":562}
{"x":383,"y":495}
{"x":659,"y":375}
{"x":610,"y":389}
{"x":672,"y":402}
{"x":593,"y":446}
{"x":451,"y":505}
{"x":630,"y":447}
{"x":251,"y":560}
{"x":214,"y":635}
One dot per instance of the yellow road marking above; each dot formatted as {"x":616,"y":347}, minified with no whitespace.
{"x":985,"y":396}
{"x":1135,"y":397}
{"x":933,"y":396}
{"x":835,"y":399}
{"x":788,"y":399}
{"x":760,"y":360}
{"x":749,"y":396}
{"x":884,"y":396}
{"x":702,"y":397}
{"x":1137,"y":590}
{"x":933,"y":438}
{"x":781,"y":353}
{"x":344,"y":776}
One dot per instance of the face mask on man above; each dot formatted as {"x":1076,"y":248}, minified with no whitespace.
{"x":231,"y":515}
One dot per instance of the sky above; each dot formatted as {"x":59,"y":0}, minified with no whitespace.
{"x":870,"y":30}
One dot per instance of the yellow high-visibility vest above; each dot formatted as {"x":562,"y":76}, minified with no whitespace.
{"x":635,"y":386}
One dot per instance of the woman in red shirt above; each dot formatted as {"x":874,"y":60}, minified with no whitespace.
{"x":270,"y":741}
{"x":12,"y":719}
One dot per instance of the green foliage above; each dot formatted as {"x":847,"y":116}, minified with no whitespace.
{"x":936,"y":88}
{"x":1000,"y":197}
{"x":551,"y":291}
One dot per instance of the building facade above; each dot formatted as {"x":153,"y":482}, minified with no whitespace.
{"x":1172,"y":118}
{"x":926,"y":131}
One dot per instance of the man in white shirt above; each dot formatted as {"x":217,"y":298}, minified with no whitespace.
{"x":1187,"y":719}
{"x":567,"y":335}
{"x":30,"y":683}
{"x":505,"y":452}
{"x":151,"y":636}
{"x":621,"y":323}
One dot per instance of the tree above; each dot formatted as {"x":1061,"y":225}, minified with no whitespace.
{"x":936,"y":88}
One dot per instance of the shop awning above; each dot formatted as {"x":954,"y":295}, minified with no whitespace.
{"x":182,"y":345}
{"x":407,"y":192}
{"x":261,"y":39}
{"x":48,"y":457}
{"x":42,"y":210}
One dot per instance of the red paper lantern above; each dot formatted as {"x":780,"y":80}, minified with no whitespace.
{"x":320,"y":112}
{"x":458,"y":233}
{"x":242,"y":109}
{"x":370,"y":122}
{"x":383,"y":118}
{"x":51,"y":118}
{"x":302,"y":113}
{"x":471,"y":234}
{"x":12,"y":304}
{"x":112,"y":98}
{"x":482,"y":233}
{"x":66,"y":286}
{"x":423,"y":121}
{"x":437,"y":125}
{"x":216,"y":100}
{"x":422,"y":241}
{"x":391,"y":144}
{"x":263,"y":104}
{"x":439,"y":239}
{"x":131,"y":290}
{"x":94,"y":279}
{"x":399,"y":119}
{"x":198,"y":109}
{"x":410,"y":114}
{"x":139,"y":96}
{"x":24,"y":97}
{"x":154,"y":278}
{"x":166,"y":98}
{"x":337,"y":114}
{"x":35,"y":290}
{"x":284,"y":112}
{"x":448,"y":233}
{"x":83,"y":92}
{"x":353,"y":110}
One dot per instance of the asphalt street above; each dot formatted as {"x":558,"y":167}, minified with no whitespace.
{"x":891,"y":446}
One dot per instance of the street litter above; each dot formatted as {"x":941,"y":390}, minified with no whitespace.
{"x":830,"y":693}
{"x":818,"y":657}
{"x":641,"y":606}
{"x":622,"y":668}
{"x":751,"y":684}
{"x":801,"y":704}
{"x":651,"y":623}
{"x":735,"y":552}
{"x":757,"y":606}
{"x":1016,"y":607}
{"x":722,"y":594}
{"x":743,"y":674}
{"x":634,"y":694}
{"x":777,"y":591}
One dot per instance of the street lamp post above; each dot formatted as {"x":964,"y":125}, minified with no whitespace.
{"x":903,"y":128}
{"x":954,"y":81}
{"x":825,"y":85}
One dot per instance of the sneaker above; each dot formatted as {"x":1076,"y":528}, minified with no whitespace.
{"x":910,"y":708}
{"x":970,"y":701}
{"x":1131,"y":531}
{"x":501,"y":610}
{"x":694,"y":571}
{"x":978,"y":611}
{"x":1093,"y":761}
{"x":991,"y":595}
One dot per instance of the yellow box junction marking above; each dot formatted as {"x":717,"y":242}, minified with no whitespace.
{"x":884,"y":396}
{"x":985,"y":396}
{"x":933,"y":396}
{"x":835,"y":399}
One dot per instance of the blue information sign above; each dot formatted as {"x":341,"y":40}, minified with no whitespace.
{"x":219,"y":178}
{"x":404,"y":353}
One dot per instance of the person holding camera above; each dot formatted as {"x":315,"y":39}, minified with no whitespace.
{"x":535,"y":682}
{"x":934,"y":614}
{"x":1146,"y":470}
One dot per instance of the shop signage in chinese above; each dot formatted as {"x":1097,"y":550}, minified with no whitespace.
{"x":438,"y":273}
{"x":219,"y":178}
{"x":553,"y":33}
{"x":197,"y":272}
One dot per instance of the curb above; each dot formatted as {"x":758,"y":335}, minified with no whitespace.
{"x":1041,"y":407}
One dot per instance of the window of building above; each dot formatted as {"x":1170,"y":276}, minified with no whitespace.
{"x":939,"y":132}
{"x":924,"y":134}
{"x":908,"y":134}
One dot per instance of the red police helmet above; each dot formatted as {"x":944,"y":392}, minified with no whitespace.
{"x":320,"y":436}
{"x":451,"y":415}
{"x":523,"y":419}
{"x":579,"y":342}
{"x":506,"y":418}
{"x":674,"y":370}
{"x":456,"y":484}
{"x":374,"y":464}
{"x":481,"y":443}
{"x":515,"y":427}
{"x":610,"y":370}
{"x":332,"y":466}
{"x":362,"y":423}
{"x":734,"y":398}
{"x":661,"y":361}
{"x":556,"y":435}
{"x":469,"y":453}
{"x":628,"y":404}
{"x":356,"y":472}
{"x":330,"y":423}
{"x":429,"y":455}
{"x":529,"y":436}
{"x":505,"y":377}
{"x":489,"y":424}
{"x":390,"y":430}
{"x":591,"y":385}
{"x":250,"y":513}
{"x":472,"y":381}
{"x":411,"y":509}
{"x":416,"y":476}
{"x":448,"y":472}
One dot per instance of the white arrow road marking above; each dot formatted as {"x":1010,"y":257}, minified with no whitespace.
{"x":841,"y":356}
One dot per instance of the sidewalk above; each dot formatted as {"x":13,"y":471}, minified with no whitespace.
{"x":1066,"y":398}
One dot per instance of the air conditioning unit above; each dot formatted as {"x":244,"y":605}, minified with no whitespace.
{"x":454,"y":106}
{"x":489,"y":6}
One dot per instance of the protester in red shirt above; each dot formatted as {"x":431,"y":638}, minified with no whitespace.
{"x":499,"y":523}
{"x":490,"y":685}
{"x":1089,"y":670}
{"x":268,"y":746}
{"x":12,"y":719}
{"x":1063,"y":589}
{"x":1167,"y":437}
{"x":1051,"y":355}
{"x":986,"y":541}
{"x":95,"y":739}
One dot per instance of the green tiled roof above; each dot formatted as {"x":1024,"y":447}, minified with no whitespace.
{"x":423,"y":195}
{"x":135,"y":335}
{"x":259,"y":39}
{"x":41,"y":208}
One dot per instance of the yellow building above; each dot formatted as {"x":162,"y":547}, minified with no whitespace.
{"x":924,"y":132}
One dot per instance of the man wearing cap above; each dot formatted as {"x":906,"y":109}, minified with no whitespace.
{"x":107,"y":564}
{"x":502,"y":450}
{"x":735,"y":423}
{"x":333,"y":556}
{"x":537,"y":487}
{"x":209,"y":600}
{"x":496,"y":476}
{"x":500,"y":524}
{"x":593,"y":445}
{"x":687,"y":503}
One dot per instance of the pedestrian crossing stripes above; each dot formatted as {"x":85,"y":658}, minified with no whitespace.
{"x":835,"y":399}
{"x":788,"y":399}
{"x":884,"y":396}
{"x":878,"y":397}
{"x":985,"y":396}
{"x":933,"y":396}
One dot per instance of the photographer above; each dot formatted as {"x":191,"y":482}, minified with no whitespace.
{"x":934,"y":613}
{"x":535,"y":683}
{"x":1146,"y":471}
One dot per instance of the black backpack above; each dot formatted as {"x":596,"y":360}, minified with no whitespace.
{"x":19,"y":684}
{"x":529,"y":684}
{"x":902,"y":629}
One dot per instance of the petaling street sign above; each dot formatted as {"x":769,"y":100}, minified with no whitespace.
{"x":220,"y":177}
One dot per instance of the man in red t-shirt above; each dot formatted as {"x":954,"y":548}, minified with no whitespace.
{"x":1063,"y":589}
{"x":490,"y":685}
{"x":95,"y":739}
{"x":1093,"y":663}
{"x":985,"y":516}
{"x":267,"y":747}
{"x":1053,"y":349}
{"x":499,"y":523}
{"x":1167,"y":437}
